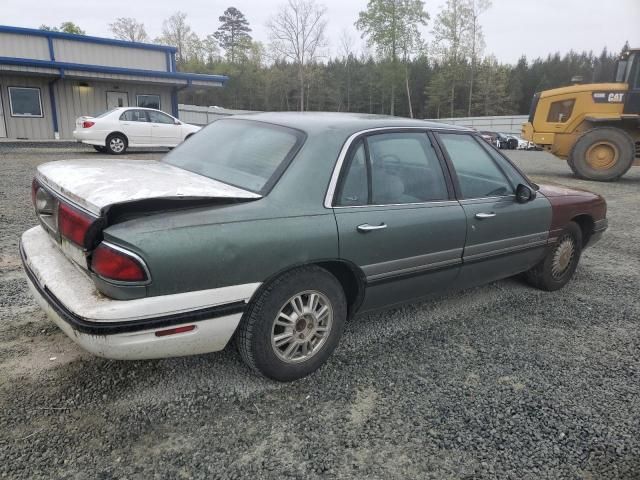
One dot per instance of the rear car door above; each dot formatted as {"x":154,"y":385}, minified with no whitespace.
{"x":164,"y":130}
{"x":397,"y":218}
{"x":504,"y":237}
{"x":135,"y":125}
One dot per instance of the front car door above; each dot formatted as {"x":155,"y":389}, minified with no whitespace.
{"x":135,"y":125}
{"x":504,"y":237}
{"x":397,"y":218}
{"x":164,"y":130}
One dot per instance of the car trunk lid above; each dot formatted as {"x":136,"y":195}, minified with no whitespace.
{"x":96,"y":185}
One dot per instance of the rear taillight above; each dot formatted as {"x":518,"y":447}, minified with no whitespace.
{"x":114,"y":264}
{"x":88,"y":124}
{"x":74,"y":225}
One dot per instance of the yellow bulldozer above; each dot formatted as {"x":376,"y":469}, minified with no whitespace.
{"x":595,"y":127}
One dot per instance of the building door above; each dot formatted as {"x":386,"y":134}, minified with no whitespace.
{"x":3,"y":129}
{"x":117,"y":99}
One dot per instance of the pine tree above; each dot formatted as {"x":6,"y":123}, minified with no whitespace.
{"x":233,"y":33}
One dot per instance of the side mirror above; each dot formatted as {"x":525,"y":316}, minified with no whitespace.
{"x":177,"y":122}
{"x":524,"y":193}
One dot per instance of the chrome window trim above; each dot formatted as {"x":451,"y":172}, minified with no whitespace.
{"x":333,"y":183}
{"x":131,"y":254}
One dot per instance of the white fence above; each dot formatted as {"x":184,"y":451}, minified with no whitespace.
{"x":506,"y":124}
{"x":197,"y":115}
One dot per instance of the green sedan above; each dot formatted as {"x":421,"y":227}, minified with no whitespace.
{"x":271,"y":230}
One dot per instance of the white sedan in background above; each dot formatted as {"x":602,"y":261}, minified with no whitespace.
{"x":116,"y":130}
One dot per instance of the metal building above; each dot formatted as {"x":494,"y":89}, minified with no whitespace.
{"x":48,"y":79}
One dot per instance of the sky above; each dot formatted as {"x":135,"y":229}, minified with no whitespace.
{"x":512,"y":28}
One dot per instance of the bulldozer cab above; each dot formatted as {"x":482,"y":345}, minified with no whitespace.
{"x":628,"y":71}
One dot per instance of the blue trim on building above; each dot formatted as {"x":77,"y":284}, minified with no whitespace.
{"x":188,"y":77}
{"x":52,"y":54}
{"x":174,"y":102}
{"x":54,"y":109}
{"x":84,"y":38}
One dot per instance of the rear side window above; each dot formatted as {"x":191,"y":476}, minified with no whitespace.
{"x":392,"y":169}
{"x":243,"y":153}
{"x":478,"y":174}
{"x":134,"y":116}
{"x":353,"y":190}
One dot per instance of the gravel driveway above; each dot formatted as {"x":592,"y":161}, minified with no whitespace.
{"x":501,"y":381}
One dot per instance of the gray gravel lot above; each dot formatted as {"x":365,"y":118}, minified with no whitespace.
{"x":502,"y":381}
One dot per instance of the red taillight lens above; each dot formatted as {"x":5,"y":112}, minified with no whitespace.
{"x":113,"y":264}
{"x":88,"y":124}
{"x":73,"y":224}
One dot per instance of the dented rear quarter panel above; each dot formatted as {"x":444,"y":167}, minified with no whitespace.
{"x":224,"y":245}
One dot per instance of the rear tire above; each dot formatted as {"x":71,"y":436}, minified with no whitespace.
{"x":558,"y":266}
{"x":293,"y":325}
{"x":116,"y":144}
{"x":602,"y":154}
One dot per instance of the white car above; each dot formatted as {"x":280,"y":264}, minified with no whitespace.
{"x":116,"y":130}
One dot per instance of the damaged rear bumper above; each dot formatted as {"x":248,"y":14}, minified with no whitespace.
{"x":127,"y":329}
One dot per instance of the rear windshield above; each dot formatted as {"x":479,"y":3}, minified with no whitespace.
{"x":247,"y":154}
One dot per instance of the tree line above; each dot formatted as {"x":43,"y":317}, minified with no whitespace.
{"x":398,"y":73}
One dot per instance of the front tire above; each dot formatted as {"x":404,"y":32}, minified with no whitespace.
{"x":293,"y":325}
{"x":116,"y":144}
{"x":558,"y":266}
{"x":603,"y":154}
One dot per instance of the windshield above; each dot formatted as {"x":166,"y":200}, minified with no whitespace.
{"x":244,"y":153}
{"x":621,"y":71}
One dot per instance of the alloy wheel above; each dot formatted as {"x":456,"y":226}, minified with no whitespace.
{"x":302,"y":326}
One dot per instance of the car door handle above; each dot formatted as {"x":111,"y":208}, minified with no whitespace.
{"x":483,"y":215}
{"x":365,"y":227}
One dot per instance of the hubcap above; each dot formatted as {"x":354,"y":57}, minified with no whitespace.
{"x":563,"y":256}
{"x":302,"y":326}
{"x":116,"y":144}
{"x":602,"y":155}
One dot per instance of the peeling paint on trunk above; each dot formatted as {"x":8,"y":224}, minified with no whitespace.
{"x":97,"y":184}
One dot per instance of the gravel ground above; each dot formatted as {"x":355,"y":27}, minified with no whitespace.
{"x":501,"y":381}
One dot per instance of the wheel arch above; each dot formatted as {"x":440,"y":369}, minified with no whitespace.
{"x":348,"y":274}
{"x":586,"y":224}
{"x":116,"y":132}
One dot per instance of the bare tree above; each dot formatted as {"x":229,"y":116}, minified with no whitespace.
{"x":176,"y":32}
{"x":297,"y":33}
{"x":126,"y":28}
{"x":346,"y":51}
{"x":476,"y":39}
{"x":450,"y":33}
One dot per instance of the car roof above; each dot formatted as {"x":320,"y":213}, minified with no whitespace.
{"x":316,"y":122}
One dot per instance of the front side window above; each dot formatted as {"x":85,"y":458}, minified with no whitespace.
{"x":243,"y":153}
{"x":148,"y":101}
{"x":134,"y":116}
{"x":560,"y":112}
{"x":158,"y":117}
{"x":25,"y":102}
{"x":478,"y":175}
